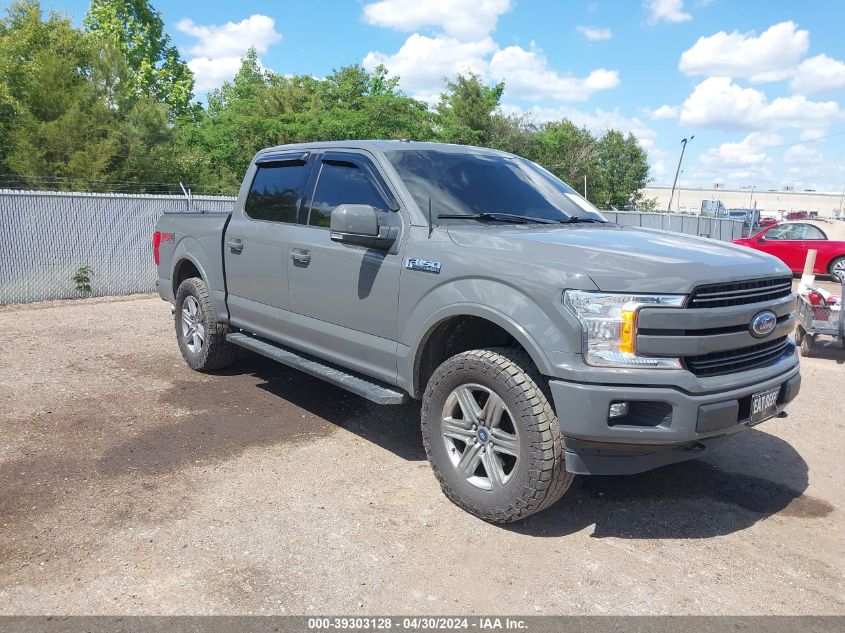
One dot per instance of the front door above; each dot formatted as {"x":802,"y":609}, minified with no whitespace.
{"x":787,"y":243}
{"x":345,"y":298}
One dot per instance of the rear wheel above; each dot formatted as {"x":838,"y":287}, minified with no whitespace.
{"x":202,"y":340}
{"x":837,"y":269}
{"x":491,"y":436}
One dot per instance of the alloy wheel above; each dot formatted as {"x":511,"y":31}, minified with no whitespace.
{"x":193,"y":327}
{"x":481,"y":439}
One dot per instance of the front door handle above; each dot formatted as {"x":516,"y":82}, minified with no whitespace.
{"x":236,"y":245}
{"x":300,"y":256}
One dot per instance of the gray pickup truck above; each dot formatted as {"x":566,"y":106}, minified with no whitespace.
{"x":542,"y":340}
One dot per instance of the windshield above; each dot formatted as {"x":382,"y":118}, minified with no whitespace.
{"x":469,"y":184}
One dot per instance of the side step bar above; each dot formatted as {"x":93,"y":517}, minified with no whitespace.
{"x":365,"y":387}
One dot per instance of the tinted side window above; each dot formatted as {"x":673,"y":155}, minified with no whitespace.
{"x":274,"y":194}
{"x":341,"y":184}
{"x":786,"y":232}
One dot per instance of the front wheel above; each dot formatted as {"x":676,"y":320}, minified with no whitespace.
{"x":808,"y":342}
{"x":492,"y":437}
{"x":202,"y":340}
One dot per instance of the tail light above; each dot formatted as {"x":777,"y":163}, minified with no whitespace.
{"x":156,"y":244}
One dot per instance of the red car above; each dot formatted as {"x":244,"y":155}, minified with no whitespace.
{"x":790,"y":242}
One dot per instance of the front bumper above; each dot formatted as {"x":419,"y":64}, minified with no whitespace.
{"x":670,"y":425}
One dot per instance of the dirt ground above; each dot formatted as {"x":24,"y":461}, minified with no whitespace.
{"x":131,"y":485}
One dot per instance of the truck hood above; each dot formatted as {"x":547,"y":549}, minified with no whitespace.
{"x":622,"y":259}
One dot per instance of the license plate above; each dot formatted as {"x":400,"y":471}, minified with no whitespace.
{"x":764,"y":405}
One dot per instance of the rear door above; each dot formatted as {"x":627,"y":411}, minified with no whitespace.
{"x":346,"y":297}
{"x":255,"y":248}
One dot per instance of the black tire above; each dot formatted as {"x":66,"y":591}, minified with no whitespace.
{"x":807,"y":344}
{"x":215,"y":352}
{"x":800,"y":333}
{"x":539,"y":477}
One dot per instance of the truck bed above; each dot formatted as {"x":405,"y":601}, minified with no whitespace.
{"x":198,"y":237}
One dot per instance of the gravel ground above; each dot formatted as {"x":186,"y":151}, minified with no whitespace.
{"x":132,"y":485}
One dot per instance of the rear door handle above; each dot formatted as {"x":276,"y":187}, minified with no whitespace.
{"x":236,"y":245}
{"x":300,"y":256}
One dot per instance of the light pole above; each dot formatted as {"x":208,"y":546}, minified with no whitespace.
{"x":678,"y":171}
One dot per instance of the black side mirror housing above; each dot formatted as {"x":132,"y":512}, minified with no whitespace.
{"x":358,"y":224}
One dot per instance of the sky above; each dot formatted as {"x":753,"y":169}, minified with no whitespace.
{"x":760,"y":84}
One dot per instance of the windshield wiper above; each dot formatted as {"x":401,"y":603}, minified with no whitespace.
{"x":579,"y":218}
{"x":502,"y":217}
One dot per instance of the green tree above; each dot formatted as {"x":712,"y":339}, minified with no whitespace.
{"x":622,"y":170}
{"x":514,"y":134}
{"x":260,"y":108}
{"x":137,"y":30}
{"x":568,"y":151}
{"x":466,"y":110}
{"x":76,"y":123}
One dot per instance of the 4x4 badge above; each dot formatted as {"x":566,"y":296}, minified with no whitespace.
{"x":424,"y":265}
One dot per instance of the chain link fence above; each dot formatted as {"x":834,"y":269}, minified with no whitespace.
{"x":49,"y":238}
{"x":724,"y":229}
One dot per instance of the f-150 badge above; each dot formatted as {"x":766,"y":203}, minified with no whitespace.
{"x":424,"y":265}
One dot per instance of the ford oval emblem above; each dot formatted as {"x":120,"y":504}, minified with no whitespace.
{"x":763,"y":324}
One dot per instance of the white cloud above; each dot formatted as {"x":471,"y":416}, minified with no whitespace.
{"x":527,"y":75}
{"x":597,"y":121}
{"x":219,"y":48}
{"x":770,"y":57}
{"x":666,"y":11}
{"x":749,"y":151}
{"x":718,"y":102}
{"x":664,"y":112}
{"x":422,"y":62}
{"x":211,"y":73}
{"x":818,"y":74}
{"x":233,"y":38}
{"x":595,"y":32}
{"x":462,"y":19}
{"x":802,"y":155}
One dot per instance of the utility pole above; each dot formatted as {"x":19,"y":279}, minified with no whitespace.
{"x":841,"y":200}
{"x":678,"y":171}
{"x":585,"y":186}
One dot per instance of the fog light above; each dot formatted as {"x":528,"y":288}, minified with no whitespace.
{"x":617,"y":410}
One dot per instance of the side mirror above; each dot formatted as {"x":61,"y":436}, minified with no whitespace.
{"x":759,"y":239}
{"x":358,"y":224}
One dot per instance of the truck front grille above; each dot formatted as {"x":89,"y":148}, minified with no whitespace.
{"x":740,"y":293}
{"x":730,"y":361}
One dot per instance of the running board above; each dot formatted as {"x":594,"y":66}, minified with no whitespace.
{"x":365,"y":387}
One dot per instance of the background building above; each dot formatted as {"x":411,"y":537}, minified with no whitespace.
{"x":770,"y":203}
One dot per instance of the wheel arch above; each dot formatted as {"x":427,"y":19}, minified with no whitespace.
{"x":832,"y":262}
{"x":462,"y":327}
{"x":186,"y":265}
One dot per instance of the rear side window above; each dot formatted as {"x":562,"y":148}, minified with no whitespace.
{"x":274,"y":195}
{"x":813,"y":233}
{"x":341,"y":183}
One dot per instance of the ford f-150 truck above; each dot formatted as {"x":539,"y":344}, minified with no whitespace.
{"x":543,"y":340}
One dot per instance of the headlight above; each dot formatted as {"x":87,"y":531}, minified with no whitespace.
{"x":609,"y":324}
